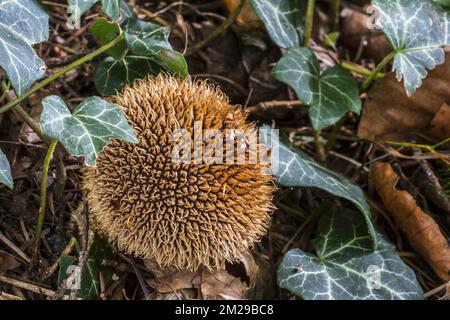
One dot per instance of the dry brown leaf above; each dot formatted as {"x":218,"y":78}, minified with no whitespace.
{"x":171,"y":283}
{"x":355,"y":34}
{"x":390,"y":114}
{"x":175,"y":281}
{"x":8,"y":263}
{"x":421,"y":230}
{"x":220,"y":285}
{"x":247,"y":16}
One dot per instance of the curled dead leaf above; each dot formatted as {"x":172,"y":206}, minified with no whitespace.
{"x":390,"y":114}
{"x":421,"y":230}
{"x":356,"y":35}
{"x":8,"y":263}
{"x":220,"y":285}
{"x":247,"y":17}
{"x":171,"y":283}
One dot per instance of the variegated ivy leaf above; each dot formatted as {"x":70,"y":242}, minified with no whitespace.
{"x":89,"y":129}
{"x":22,"y":24}
{"x":329,"y":95}
{"x":5,"y":171}
{"x":293,"y":168}
{"x":105,"y":32}
{"x":112,"y":75}
{"x":78,"y":7}
{"x":345,"y":266}
{"x":282,"y":19}
{"x":417,"y":32}
{"x":150,"y":40}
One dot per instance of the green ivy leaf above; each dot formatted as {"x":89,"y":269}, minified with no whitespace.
{"x":5,"y":171}
{"x":346,"y":267}
{"x":150,"y":40}
{"x":112,"y":75}
{"x":22,"y":24}
{"x":293,"y":168}
{"x":105,"y":32}
{"x":89,"y":284}
{"x":416,"y":32}
{"x":445,"y":3}
{"x":282,"y":21}
{"x":89,"y":129}
{"x":78,"y":7}
{"x":329,"y":95}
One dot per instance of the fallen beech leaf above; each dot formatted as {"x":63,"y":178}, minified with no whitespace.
{"x":8,"y":263}
{"x":247,"y":16}
{"x":440,"y":125}
{"x":171,"y":283}
{"x":174,"y":281}
{"x":355,"y":33}
{"x":221,"y":285}
{"x":390,"y":114}
{"x":421,"y":230}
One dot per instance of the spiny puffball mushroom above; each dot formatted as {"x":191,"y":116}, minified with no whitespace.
{"x":179,"y":214}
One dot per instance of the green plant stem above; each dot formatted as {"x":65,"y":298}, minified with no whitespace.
{"x":334,"y":13}
{"x":307,"y":35}
{"x":373,"y":74}
{"x":43,"y":201}
{"x":219,"y":30}
{"x":59,"y":73}
{"x":359,"y":69}
{"x":309,"y":22}
{"x":334,"y":133}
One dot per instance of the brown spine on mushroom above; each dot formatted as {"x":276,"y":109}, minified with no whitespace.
{"x":180,"y":214}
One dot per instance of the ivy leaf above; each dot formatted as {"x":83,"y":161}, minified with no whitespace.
{"x":416,"y":32}
{"x":445,"y":3}
{"x":329,"y":95}
{"x":293,"y":168}
{"x":346,"y":267}
{"x":78,"y":7}
{"x":22,"y":24}
{"x":112,"y":75}
{"x":111,"y":8}
{"x":89,"y":129}
{"x":105,"y":32}
{"x":282,"y":21}
{"x":5,"y":171}
{"x":88,"y":286}
{"x":151,"y":40}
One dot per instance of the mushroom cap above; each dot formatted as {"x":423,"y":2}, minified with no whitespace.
{"x":183,"y":214}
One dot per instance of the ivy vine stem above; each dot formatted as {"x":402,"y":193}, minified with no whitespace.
{"x":43,"y":200}
{"x":371,"y":77}
{"x":334,"y":11}
{"x":309,"y":20}
{"x":219,"y":30}
{"x":61,"y":72}
{"x":374,"y":73}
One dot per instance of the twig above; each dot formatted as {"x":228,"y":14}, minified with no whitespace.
{"x":263,"y":106}
{"x":433,"y":188}
{"x":219,"y":30}
{"x":53,"y":267}
{"x":436,"y":290}
{"x":14,"y":248}
{"x":43,"y":201}
{"x":27,"y":286}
